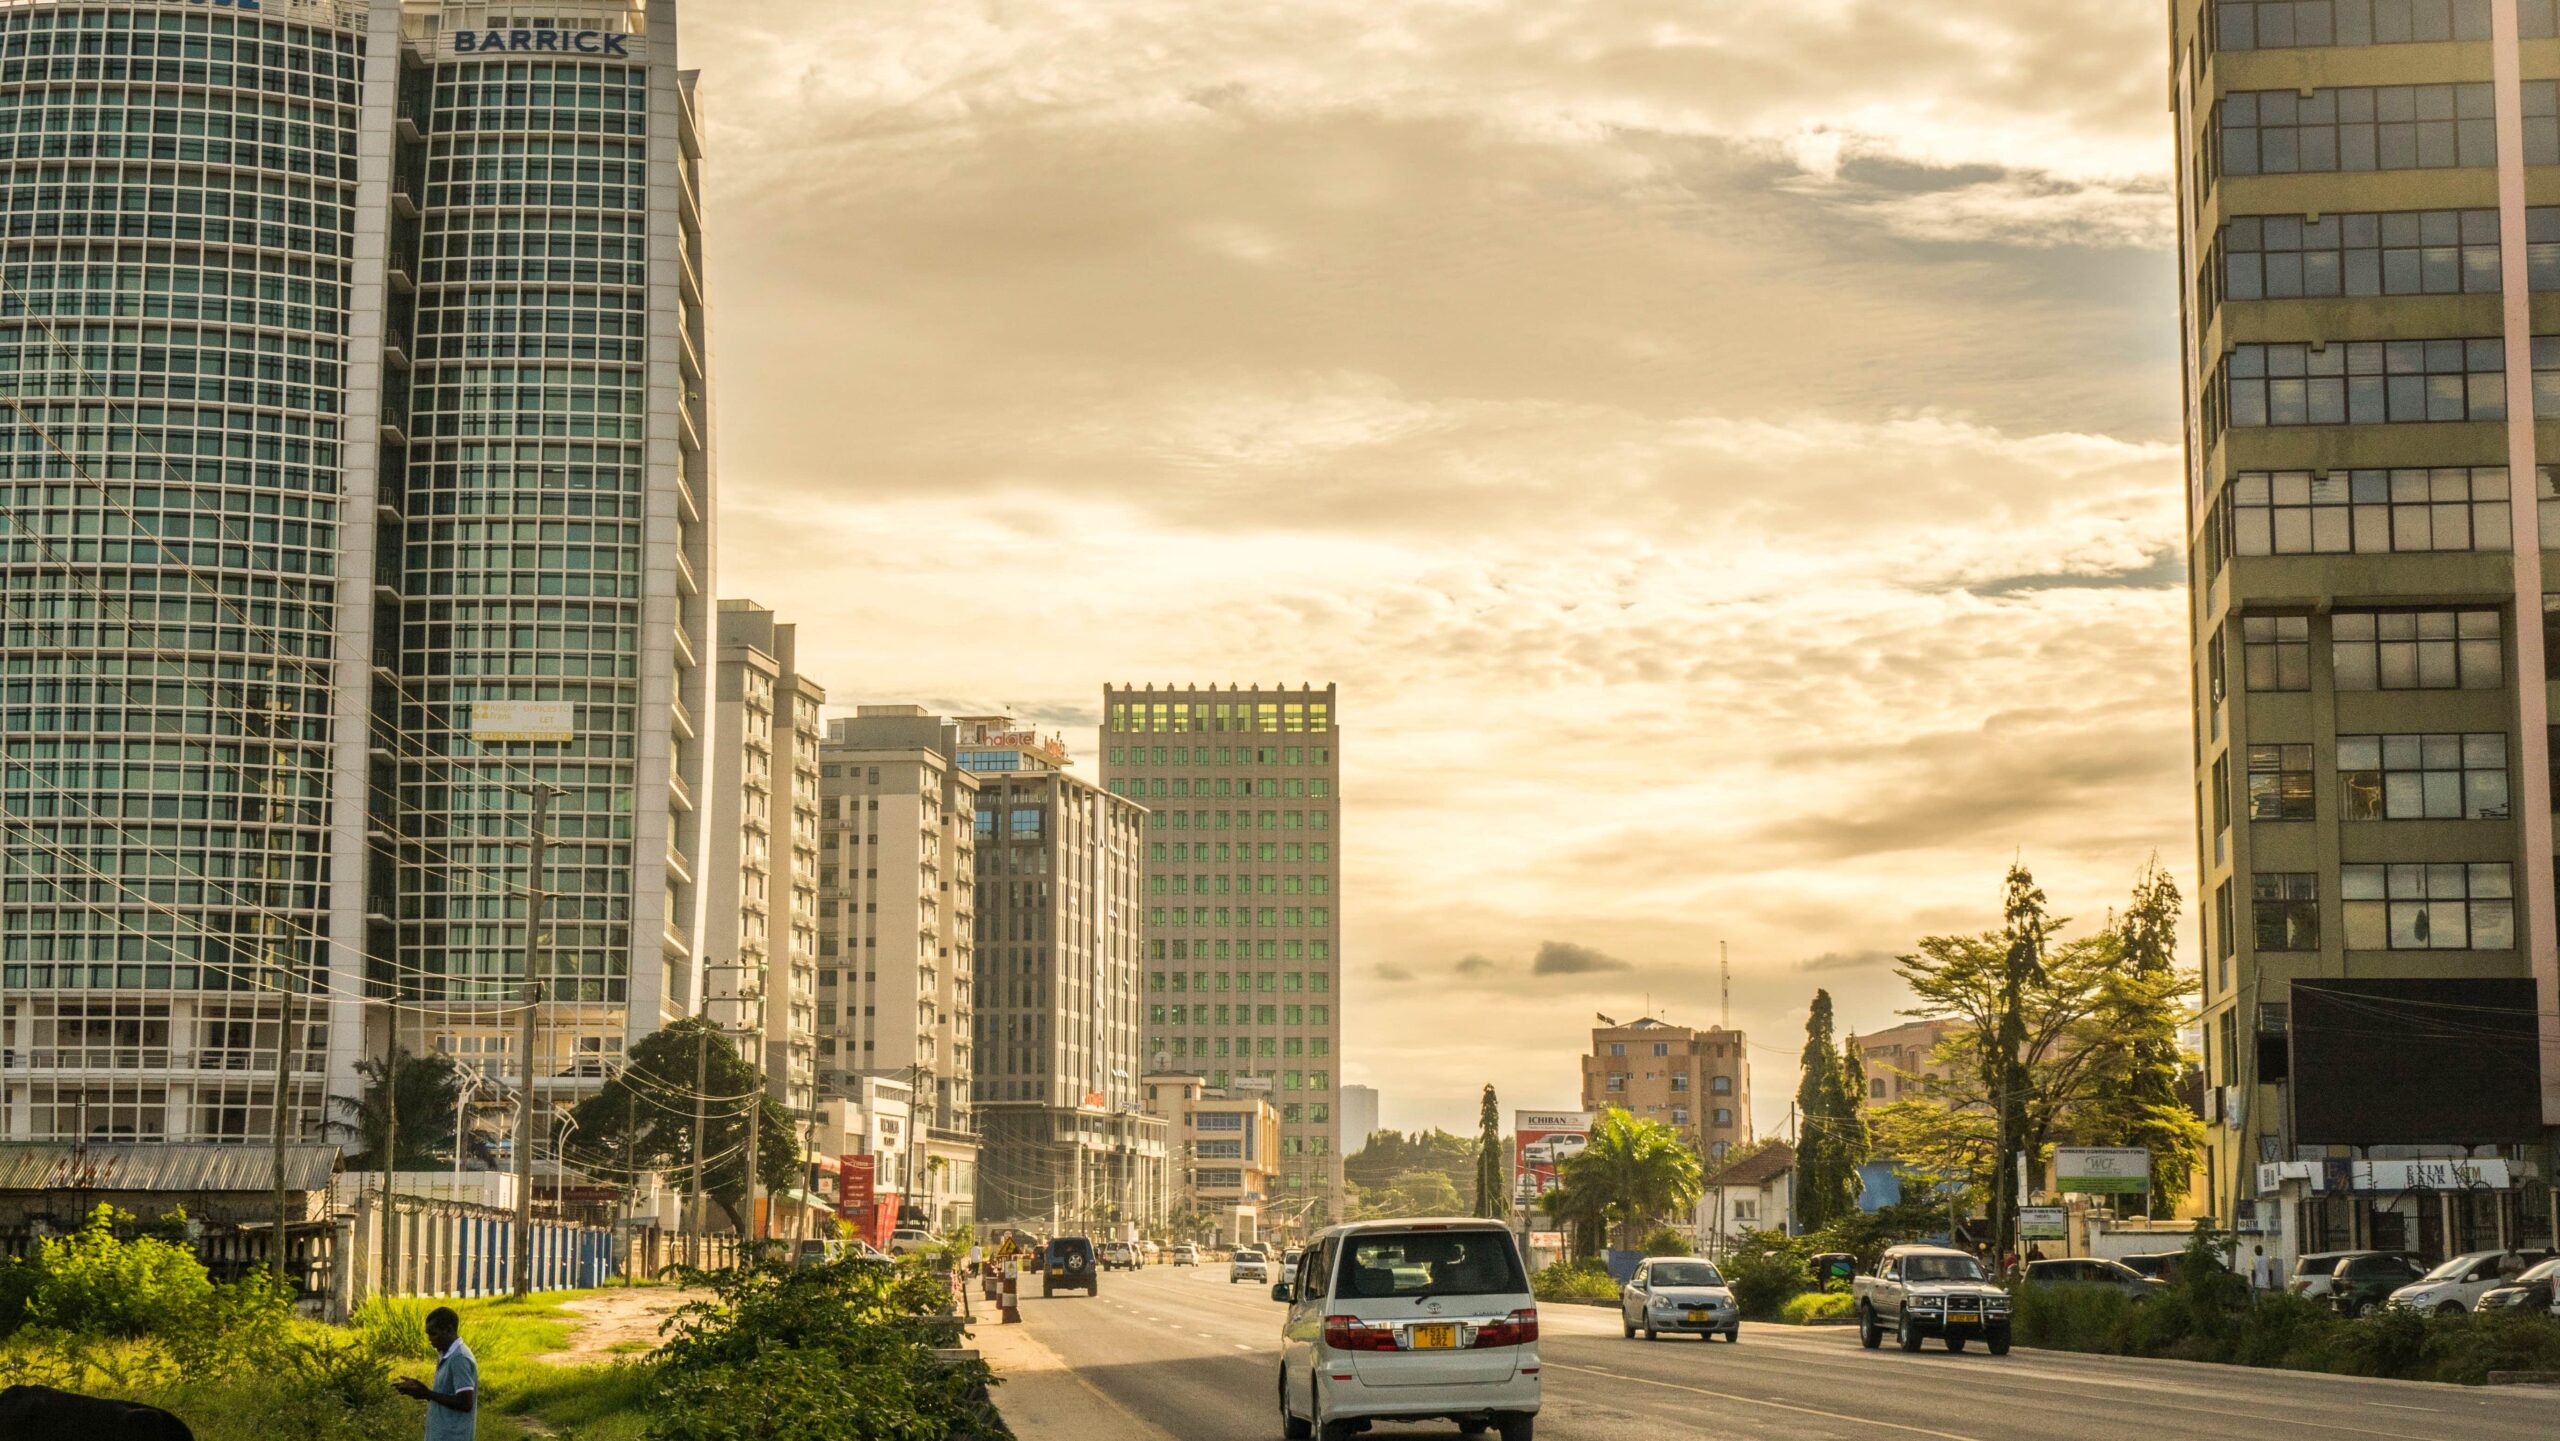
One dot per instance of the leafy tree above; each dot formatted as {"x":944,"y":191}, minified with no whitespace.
{"x":1635,"y":1173}
{"x":1830,"y":1135}
{"x":2136,"y":1097}
{"x":426,"y":1089}
{"x":1491,"y":1198}
{"x":1581,"y":1214}
{"x":642,"y":1120}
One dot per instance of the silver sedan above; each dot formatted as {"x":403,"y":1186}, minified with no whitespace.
{"x":1680,"y":1295}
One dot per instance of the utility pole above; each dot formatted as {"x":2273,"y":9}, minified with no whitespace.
{"x":630,"y":1162}
{"x":391,"y":1147}
{"x":701,"y":1121}
{"x":755,"y":1113}
{"x":534,"y":898}
{"x":284,"y":1079}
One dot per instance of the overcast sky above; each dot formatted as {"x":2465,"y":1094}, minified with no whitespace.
{"x":1725,"y":451}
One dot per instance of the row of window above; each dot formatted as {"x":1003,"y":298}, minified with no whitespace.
{"x":1266,"y":717}
{"x":2438,"y":906}
{"x":1225,"y":917}
{"x":1276,"y":1046}
{"x":1190,"y":950}
{"x":2285,"y":24}
{"x":2402,"y":252}
{"x":2369,"y":512}
{"x":1224,"y":884}
{"x":2376,"y":382}
{"x":1223,"y":755}
{"x":2376,"y":650}
{"x":1265,"y":982}
{"x":1184,"y":787}
{"x":2376,"y":127}
{"x":2443,"y":776}
{"x":1243,"y":820}
{"x":1317,"y":851}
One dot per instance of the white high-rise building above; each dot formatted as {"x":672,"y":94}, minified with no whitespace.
{"x":363,"y":484}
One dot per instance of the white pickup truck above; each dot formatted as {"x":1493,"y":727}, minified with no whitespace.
{"x":1923,"y":1291}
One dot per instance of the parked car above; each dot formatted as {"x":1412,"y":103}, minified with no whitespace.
{"x":2534,"y":1290}
{"x":2161,"y":1266}
{"x":1248,"y":1263}
{"x":908,"y":1240}
{"x":1290,"y":1258}
{"x":2092,"y":1271}
{"x":1070,"y":1265}
{"x":2362,"y":1284}
{"x":1681,"y":1296}
{"x":1924,"y":1291}
{"x":1119,"y":1256}
{"x":2313,"y":1272}
{"x":1186,"y":1254}
{"x":2458,"y":1284}
{"x":1410,"y":1320}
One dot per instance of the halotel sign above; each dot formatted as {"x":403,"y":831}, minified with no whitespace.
{"x":592,"y":44}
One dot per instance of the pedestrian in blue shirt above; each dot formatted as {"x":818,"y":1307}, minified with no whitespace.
{"x":451,"y":1413}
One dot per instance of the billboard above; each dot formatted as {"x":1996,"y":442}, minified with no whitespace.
{"x":2104,"y":1170}
{"x":855,"y":1179}
{"x":496,"y":721}
{"x":2414,"y":1062}
{"x":1541,"y":1142}
{"x":2044,"y":1223}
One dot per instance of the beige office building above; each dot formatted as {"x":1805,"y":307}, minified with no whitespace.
{"x":2369,"y":283}
{"x":1696,"y":1081}
{"x":896,"y":922}
{"x":1065,"y":1136}
{"x":1225,"y":1149}
{"x":1901,"y":1061}
{"x":1244,"y":895}
{"x":760,"y":864}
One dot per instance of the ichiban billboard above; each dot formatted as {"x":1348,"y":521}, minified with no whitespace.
{"x":1541,"y":1142}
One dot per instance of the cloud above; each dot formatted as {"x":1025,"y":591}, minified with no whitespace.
{"x":1390,"y":971}
{"x":1564,"y":958}
{"x":1476,"y":965}
{"x":1846,"y":961}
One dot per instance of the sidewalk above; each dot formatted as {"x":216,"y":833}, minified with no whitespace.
{"x":1044,"y":1399}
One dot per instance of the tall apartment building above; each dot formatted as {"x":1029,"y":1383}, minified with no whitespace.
{"x":896,"y":935}
{"x":1696,"y":1081}
{"x":760,"y":867}
{"x":1900,"y":1060}
{"x":1064,"y":1131}
{"x":2368,"y":200}
{"x":363,"y":484}
{"x":1244,"y":881}
{"x":1359,"y":1118}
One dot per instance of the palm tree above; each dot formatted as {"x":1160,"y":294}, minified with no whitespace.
{"x":1635,"y":1173}
{"x":427,"y":1088}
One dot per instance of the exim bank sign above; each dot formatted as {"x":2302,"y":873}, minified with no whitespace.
{"x":478,"y":41}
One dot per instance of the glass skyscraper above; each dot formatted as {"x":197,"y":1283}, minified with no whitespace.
{"x":359,"y":482}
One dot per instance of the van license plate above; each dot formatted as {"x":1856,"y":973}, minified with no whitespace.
{"x":1442,"y":1337}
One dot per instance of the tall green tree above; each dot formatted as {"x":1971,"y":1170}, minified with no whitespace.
{"x":642,"y":1119}
{"x":1826,"y":1176}
{"x":426,"y":1090}
{"x":1633,"y":1174}
{"x":1856,"y":1140}
{"x":2136,"y":1099}
{"x":1491,"y":1196}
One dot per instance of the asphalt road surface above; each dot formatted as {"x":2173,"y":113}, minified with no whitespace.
{"x":1183,"y":1353}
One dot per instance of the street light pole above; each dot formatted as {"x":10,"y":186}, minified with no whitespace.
{"x":535,"y":896}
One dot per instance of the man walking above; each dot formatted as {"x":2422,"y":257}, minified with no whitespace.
{"x":451,"y":1414}
{"x":2262,"y":1270}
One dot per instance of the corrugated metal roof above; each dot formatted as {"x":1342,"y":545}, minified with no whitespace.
{"x":52,"y":1166}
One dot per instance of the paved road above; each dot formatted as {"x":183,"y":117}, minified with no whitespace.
{"x":1185,"y":1353}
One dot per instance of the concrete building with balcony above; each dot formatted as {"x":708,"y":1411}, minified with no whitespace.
{"x":1225,"y":1153}
{"x":2368,"y":198}
{"x":1901,"y":1060}
{"x":1696,"y":1081}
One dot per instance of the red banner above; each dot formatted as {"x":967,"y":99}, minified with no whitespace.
{"x":853,"y":1189}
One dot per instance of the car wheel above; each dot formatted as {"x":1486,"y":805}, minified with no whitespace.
{"x":1517,"y":1425}
{"x":1629,"y":1325}
{"x":1332,"y":1430}
{"x":1997,"y":1345}
{"x":1291,"y":1425}
{"x":1870,"y":1335}
{"x":2367,"y":1308}
{"x":1651,"y":1334}
{"x":1733,"y":1337}
{"x":1956,"y":1344}
{"x":2450,"y":1308}
{"x":1906,"y":1335}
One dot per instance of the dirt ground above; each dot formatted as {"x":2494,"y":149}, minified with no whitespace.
{"x":617,"y":1323}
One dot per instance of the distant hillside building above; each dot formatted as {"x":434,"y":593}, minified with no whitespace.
{"x":1697,"y":1081}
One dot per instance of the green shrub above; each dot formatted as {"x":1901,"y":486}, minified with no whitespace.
{"x":1663,"y":1241}
{"x":96,"y":1283}
{"x":1815,"y":1306}
{"x":2073,"y":1318}
{"x":1574,"y":1281}
{"x":1765,"y":1272}
{"x":2465,"y":1349}
{"x":395,"y":1327}
{"x":2284,"y":1330}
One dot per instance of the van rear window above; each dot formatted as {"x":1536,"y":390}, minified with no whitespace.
{"x":1384,"y":1264}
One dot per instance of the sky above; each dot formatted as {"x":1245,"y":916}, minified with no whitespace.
{"x":1726,"y":453}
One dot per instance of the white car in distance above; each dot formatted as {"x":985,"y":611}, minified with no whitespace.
{"x":1248,"y":1264}
{"x":2458,"y":1284}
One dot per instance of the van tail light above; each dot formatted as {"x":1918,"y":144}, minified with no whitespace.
{"x":1350,"y":1333}
{"x":1517,"y":1329}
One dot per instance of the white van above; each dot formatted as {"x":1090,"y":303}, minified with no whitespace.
{"x":1409,"y":1320}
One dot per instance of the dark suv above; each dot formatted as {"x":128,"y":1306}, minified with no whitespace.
{"x":1070,"y":1265}
{"x":2362,"y":1283}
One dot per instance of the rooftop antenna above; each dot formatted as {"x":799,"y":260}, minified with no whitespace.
{"x":1724,"y":963}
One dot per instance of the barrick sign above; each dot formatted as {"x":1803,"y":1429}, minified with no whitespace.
{"x":542,"y":42}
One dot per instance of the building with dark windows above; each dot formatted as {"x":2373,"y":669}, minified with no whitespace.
{"x":364,"y":485}
{"x":1698,"y":1082}
{"x":2369,"y":205}
{"x":1244,"y":882}
{"x":1067,"y":1139}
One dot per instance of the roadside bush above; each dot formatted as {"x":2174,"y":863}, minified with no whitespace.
{"x":96,"y":1283}
{"x":2465,"y":1349}
{"x":1765,"y":1272}
{"x":2073,"y":1318}
{"x":2284,"y":1330}
{"x":1574,"y":1281}
{"x":1815,"y":1306}
{"x":1663,"y":1241}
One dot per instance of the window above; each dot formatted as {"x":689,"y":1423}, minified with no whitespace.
{"x":2371,"y":512}
{"x":2280,"y":24}
{"x":1724,"y":1117}
{"x":2365,"y":382}
{"x":2440,"y":907}
{"x":2423,"y":777}
{"x":1721,"y":1085}
{"x":2225,"y":928}
{"x":2276,"y":652}
{"x":2404,"y":252}
{"x":2280,"y":783}
{"x":2417,"y":650}
{"x":2367,"y":127}
{"x":2285,"y":912}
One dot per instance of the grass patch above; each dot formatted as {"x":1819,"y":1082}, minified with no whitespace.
{"x":589,"y":1403}
{"x":1815,"y":1306}
{"x":1574,"y":1281}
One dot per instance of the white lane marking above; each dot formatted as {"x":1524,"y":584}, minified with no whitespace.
{"x":1775,"y":1405}
{"x":1242,"y":1346}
